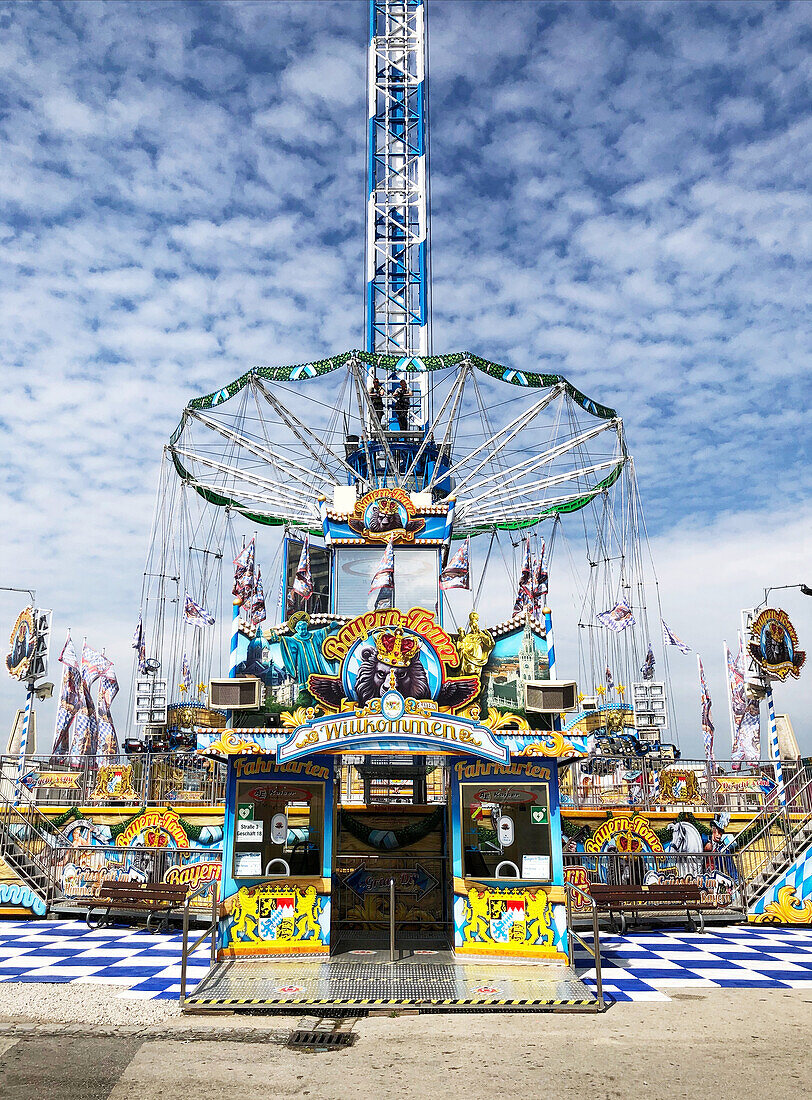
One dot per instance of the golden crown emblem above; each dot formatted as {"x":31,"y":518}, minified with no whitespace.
{"x":396,"y":648}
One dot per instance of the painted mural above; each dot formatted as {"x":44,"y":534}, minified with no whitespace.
{"x":789,"y":900}
{"x":489,"y":920}
{"x":278,"y":918}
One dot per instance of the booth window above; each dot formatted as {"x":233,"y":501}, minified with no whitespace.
{"x":278,"y":829}
{"x":506,"y":831}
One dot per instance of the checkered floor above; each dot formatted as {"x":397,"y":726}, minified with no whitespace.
{"x":644,"y":966}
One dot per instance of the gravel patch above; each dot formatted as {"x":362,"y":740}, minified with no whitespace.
{"x":62,"y":1003}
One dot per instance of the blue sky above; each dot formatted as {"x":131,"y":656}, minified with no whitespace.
{"x":182,"y":191}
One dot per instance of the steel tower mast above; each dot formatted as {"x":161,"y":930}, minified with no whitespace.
{"x":397,"y":217}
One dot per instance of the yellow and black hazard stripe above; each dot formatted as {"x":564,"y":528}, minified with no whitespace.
{"x":403,"y":1002}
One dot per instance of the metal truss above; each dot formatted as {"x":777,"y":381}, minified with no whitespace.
{"x":397,"y":237}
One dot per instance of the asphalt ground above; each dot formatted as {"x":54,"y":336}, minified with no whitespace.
{"x":726,"y":1044}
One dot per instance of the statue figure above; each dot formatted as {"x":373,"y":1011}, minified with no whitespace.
{"x":474,"y":647}
{"x":301,"y":649}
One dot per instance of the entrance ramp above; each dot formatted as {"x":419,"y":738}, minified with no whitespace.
{"x":430,"y":981}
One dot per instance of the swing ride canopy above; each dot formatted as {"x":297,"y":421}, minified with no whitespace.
{"x":513,"y":447}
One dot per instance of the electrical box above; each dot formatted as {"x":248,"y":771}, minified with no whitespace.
{"x":550,"y":696}
{"x":150,"y":702}
{"x":242,"y":693}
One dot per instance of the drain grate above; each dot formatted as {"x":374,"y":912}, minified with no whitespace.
{"x":323,"y":1033}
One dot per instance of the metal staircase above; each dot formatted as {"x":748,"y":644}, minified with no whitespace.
{"x":777,"y":836}
{"x":26,"y":846}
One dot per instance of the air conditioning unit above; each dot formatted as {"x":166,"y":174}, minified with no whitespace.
{"x":242,"y":693}
{"x":550,"y":696}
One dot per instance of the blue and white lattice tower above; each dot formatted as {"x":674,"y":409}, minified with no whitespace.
{"x":397,"y":210}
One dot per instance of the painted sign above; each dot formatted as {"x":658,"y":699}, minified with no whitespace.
{"x":154,"y":829}
{"x":424,"y":730}
{"x":278,"y":914}
{"x":679,"y":785}
{"x":505,"y":921}
{"x":375,"y":880}
{"x":196,"y":874}
{"x":23,"y":645}
{"x":114,"y":781}
{"x":385,"y":514}
{"x":774,"y":645}
{"x":514,"y":796}
{"x":757,"y":783}
{"x":624,"y":834}
{"x":61,"y":781}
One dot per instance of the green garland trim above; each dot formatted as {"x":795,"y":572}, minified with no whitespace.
{"x":301,"y":372}
{"x":65,"y":819}
{"x":408,"y":834}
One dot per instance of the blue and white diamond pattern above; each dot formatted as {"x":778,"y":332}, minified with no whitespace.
{"x":644,"y":966}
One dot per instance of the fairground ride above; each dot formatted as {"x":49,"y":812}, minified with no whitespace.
{"x":531,"y":467}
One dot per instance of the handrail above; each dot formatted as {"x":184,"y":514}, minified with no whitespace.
{"x":45,"y":866}
{"x":210,"y":930}
{"x":783,"y":816}
{"x":595,"y":950}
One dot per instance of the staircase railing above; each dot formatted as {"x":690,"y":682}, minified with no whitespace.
{"x":27,"y":846}
{"x":778,"y":834}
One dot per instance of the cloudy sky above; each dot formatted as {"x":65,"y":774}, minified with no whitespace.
{"x":182,"y":191}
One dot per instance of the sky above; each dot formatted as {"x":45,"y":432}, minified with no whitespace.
{"x":619,"y":194}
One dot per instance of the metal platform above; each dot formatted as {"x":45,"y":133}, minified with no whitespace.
{"x":432,"y":981}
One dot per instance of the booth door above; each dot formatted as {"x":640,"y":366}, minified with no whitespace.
{"x":376,"y":845}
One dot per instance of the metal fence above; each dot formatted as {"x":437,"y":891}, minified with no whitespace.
{"x":602,"y":783}
{"x":142,"y":780}
{"x":716,"y":873}
{"x":80,"y":871}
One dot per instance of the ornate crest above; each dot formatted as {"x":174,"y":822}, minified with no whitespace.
{"x":386,"y":514}
{"x":774,"y":645}
{"x":23,"y":644}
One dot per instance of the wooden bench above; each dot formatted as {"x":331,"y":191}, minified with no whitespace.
{"x":157,"y":900}
{"x":645,"y":901}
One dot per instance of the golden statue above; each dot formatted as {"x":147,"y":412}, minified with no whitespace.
{"x":474,"y":646}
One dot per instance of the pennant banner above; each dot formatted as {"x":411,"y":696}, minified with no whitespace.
{"x":303,"y":582}
{"x":457,"y":574}
{"x":670,"y":638}
{"x":745,"y":713}
{"x":139,"y":644}
{"x":258,"y":614}
{"x":617,"y":618}
{"x":524,"y":594}
{"x":243,"y":590}
{"x":707,"y":722}
{"x":647,"y":668}
{"x":195,"y":614}
{"x":382,"y":586}
{"x":107,"y":738}
{"x":69,"y":698}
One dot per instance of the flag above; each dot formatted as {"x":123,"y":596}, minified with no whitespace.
{"x":382,"y":587}
{"x":540,"y":579}
{"x":617,"y":618}
{"x":610,"y":683}
{"x":707,"y":722}
{"x":457,"y":574}
{"x":108,"y":690}
{"x":84,"y":739}
{"x":195,"y":613}
{"x":185,"y":675}
{"x":670,"y":638}
{"x":647,"y":667}
{"x":303,"y":582}
{"x":139,"y":644}
{"x":745,"y":714}
{"x":69,"y":698}
{"x":258,"y":601}
{"x":524,"y":594}
{"x":243,"y":590}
